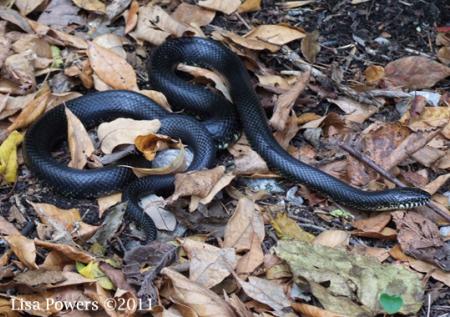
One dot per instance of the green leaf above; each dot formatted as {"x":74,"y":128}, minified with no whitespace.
{"x":391,"y":303}
{"x":57,"y":59}
{"x":339,"y":213}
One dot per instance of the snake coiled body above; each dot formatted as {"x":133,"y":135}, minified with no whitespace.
{"x":219,"y":123}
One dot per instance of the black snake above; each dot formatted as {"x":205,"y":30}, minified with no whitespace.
{"x":219,"y":123}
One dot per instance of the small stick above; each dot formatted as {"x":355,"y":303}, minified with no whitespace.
{"x":431,"y":205}
{"x":365,"y":159}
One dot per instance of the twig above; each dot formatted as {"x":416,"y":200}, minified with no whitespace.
{"x":243,"y":21}
{"x":431,"y":205}
{"x":365,"y":159}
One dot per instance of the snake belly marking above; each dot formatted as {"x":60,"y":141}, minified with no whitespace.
{"x":219,"y":126}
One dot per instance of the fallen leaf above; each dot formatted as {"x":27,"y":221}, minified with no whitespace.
{"x":333,"y":239}
{"x":32,"y":110}
{"x":197,"y":183}
{"x":15,"y":18}
{"x":295,"y":4}
{"x":414,"y":72}
{"x":245,"y":223}
{"x":218,"y":81}
{"x":91,"y":5}
{"x":202,"y":301}
{"x":150,"y":144}
{"x":348,"y":293}
{"x":80,"y":144}
{"x":24,"y":249}
{"x":157,"y":97}
{"x":246,"y":160}
{"x":374,"y":74}
{"x":154,"y":207}
{"x":106,"y":202}
{"x":266,"y":292}
{"x":7,"y":228}
{"x":19,"y":69}
{"x":111,"y":68}
{"x":131,"y":16}
{"x":124,"y":131}
{"x":250,"y":6}
{"x":250,"y":43}
{"x":224,"y":181}
{"x":27,"y":6}
{"x":287,"y":228}
{"x":238,"y":305}
{"x":443,"y":55}
{"x":250,"y":261}
{"x":436,"y":184}
{"x":277,"y":34}
{"x":112,"y":42}
{"x":209,"y":265}
{"x":286,"y":102}
{"x":193,"y":14}
{"x":92,"y":271}
{"x":69,"y":251}
{"x":419,"y":237}
{"x":6,"y":308}
{"x":313,"y":311}
{"x":66,"y":217}
{"x":154,"y":25}
{"x":8,"y":156}
{"x":61,"y":13}
{"x":226,"y":7}
{"x":356,"y":112}
{"x":310,"y":46}
{"x":373,"y":224}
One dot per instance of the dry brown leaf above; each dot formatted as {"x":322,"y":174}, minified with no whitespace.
{"x":436,"y":184}
{"x":131,"y":16}
{"x":69,"y":251}
{"x":19,"y":69}
{"x":243,"y":226}
{"x":111,"y":68}
{"x":108,"y":201}
{"x":154,"y":25}
{"x":266,"y":292}
{"x":238,"y":305}
{"x":24,"y":249}
{"x":196,"y":183}
{"x":66,"y":217}
{"x":178,"y":164}
{"x":414,"y":72}
{"x":374,"y":74}
{"x":333,"y":238}
{"x":250,"y":6}
{"x":124,"y":131}
{"x":277,"y":34}
{"x":224,"y":181}
{"x":226,"y":7}
{"x":252,"y":259}
{"x":443,"y":55}
{"x":32,"y":110}
{"x":379,"y":253}
{"x":7,"y":228}
{"x":202,"y":301}
{"x":150,"y":144}
{"x":286,"y":102}
{"x":310,"y":46}
{"x":27,"y":6}
{"x":80,"y":144}
{"x":91,"y":5}
{"x":421,"y":266}
{"x":112,"y":42}
{"x":157,"y":97}
{"x":218,"y":81}
{"x":373,"y":224}
{"x":209,"y":265}
{"x":246,"y":160}
{"x":356,"y":112}
{"x":252,"y":44}
{"x":193,"y":14}
{"x":310,"y":310}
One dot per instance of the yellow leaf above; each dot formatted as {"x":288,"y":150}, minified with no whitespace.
{"x":92,"y":271}
{"x":8,"y":156}
{"x":286,"y":228}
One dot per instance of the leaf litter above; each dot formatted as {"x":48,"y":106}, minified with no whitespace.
{"x":230,"y":244}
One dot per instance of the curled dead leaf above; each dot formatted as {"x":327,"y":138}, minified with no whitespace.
{"x":80,"y":144}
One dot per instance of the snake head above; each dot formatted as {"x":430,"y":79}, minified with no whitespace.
{"x":407,"y":198}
